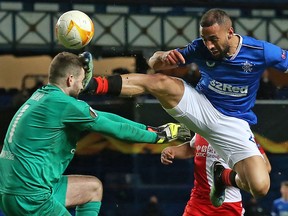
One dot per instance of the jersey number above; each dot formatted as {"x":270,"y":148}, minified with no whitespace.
{"x":15,"y":123}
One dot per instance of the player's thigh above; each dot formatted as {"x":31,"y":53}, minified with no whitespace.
{"x":82,"y":189}
{"x":168,"y":90}
{"x":35,"y":205}
{"x":193,"y":109}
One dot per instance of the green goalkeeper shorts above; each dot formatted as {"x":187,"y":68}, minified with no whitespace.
{"x":37,"y":205}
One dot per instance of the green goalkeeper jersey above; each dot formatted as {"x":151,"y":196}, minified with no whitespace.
{"x":42,"y":136}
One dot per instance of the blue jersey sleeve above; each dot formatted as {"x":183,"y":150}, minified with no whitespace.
{"x":194,"y":52}
{"x":275,"y":57}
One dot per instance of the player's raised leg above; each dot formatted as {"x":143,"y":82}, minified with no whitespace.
{"x":168,"y":90}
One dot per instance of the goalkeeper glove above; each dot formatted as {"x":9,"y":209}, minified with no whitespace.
{"x":87,"y":61}
{"x":170,"y":132}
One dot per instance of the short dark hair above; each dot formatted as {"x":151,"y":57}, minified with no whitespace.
{"x":214,"y":16}
{"x":63,"y":63}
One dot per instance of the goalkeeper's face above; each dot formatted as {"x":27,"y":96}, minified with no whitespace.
{"x":77,"y":84}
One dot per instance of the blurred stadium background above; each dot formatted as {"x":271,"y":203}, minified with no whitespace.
{"x":126,"y":33}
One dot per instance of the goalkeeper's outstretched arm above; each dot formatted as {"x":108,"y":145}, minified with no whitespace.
{"x":126,"y":129}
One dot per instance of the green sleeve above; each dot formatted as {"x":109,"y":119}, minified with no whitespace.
{"x":123,"y":129}
{"x":81,"y":116}
{"x":118,"y":118}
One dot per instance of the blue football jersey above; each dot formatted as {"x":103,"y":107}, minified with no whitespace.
{"x":231,"y":84}
{"x":280,"y":207}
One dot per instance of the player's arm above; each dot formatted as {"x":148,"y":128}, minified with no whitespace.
{"x":277,"y":64}
{"x":123,"y":131}
{"x":126,"y":129}
{"x":182,"y":151}
{"x":167,"y":132}
{"x":166,"y":60}
{"x":117,"y":118}
{"x":80,"y":115}
{"x":277,"y":77}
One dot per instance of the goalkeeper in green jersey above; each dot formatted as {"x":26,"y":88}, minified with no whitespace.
{"x":41,"y":141}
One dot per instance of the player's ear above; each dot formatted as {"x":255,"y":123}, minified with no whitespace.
{"x":230,"y":32}
{"x":69,"y":80}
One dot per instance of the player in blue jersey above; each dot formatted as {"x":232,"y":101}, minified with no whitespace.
{"x":41,"y":141}
{"x":280,"y":205}
{"x":220,"y":107}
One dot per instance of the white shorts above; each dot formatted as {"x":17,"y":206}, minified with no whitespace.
{"x":231,"y":137}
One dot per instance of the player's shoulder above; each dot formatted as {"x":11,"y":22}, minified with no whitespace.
{"x":252,"y":43}
{"x":67,"y":102}
{"x":195,"y":49}
{"x":61,"y":97}
{"x":256,"y":44}
{"x":76,"y":102}
{"x":198,"y":42}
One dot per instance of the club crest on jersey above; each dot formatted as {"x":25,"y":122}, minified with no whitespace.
{"x":210,"y":64}
{"x":247,"y":67}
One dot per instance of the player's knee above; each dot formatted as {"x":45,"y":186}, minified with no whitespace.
{"x":96,"y":188}
{"x":261,"y":189}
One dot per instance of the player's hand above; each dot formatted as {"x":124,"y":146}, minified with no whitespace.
{"x":87,"y":61}
{"x":170,"y":132}
{"x":173,"y":57}
{"x":167,"y":155}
